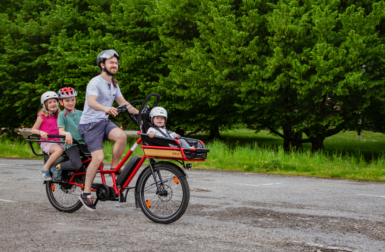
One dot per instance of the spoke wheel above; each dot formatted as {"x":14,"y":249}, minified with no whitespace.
{"x":170,"y":202}
{"x":64,"y":197}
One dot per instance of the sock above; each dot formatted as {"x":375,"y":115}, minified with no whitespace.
{"x":87,"y":194}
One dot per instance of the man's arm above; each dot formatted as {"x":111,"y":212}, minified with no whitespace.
{"x":97,"y":106}
{"x":130,"y":108}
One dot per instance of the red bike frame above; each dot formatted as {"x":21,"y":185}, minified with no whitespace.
{"x":125,"y":158}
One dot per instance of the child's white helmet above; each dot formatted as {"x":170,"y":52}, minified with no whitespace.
{"x":158,"y":111}
{"x":46,"y":96}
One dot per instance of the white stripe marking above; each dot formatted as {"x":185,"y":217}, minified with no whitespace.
{"x":4,"y":200}
{"x":259,"y":185}
{"x":134,"y":147}
{"x":371,"y":195}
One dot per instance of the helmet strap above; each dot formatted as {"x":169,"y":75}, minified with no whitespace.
{"x":108,"y":72}
{"x":65,"y":109}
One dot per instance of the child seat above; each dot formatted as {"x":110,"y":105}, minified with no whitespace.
{"x":172,"y":149}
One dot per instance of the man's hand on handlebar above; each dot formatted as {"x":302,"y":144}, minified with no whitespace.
{"x":111,"y":111}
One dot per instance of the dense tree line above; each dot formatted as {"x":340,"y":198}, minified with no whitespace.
{"x":315,"y":67}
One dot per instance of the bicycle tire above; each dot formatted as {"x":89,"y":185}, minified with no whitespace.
{"x":169,"y":205}
{"x":63,"y":197}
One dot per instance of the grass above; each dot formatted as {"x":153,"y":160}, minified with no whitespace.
{"x":371,"y":145}
{"x":243,"y":150}
{"x":344,"y":156}
{"x":272,"y":160}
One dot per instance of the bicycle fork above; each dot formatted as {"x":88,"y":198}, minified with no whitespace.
{"x":158,"y":189}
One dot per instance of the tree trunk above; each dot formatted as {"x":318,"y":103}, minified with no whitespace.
{"x":317,"y":143}
{"x":214,"y":133}
{"x":296,"y":145}
{"x":288,"y":133}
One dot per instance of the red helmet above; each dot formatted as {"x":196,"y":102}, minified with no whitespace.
{"x":67,"y":92}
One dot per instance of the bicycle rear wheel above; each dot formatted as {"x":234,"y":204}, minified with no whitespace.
{"x":64,"y":197}
{"x":168,"y":204}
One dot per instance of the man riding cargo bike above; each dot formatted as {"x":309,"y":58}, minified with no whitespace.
{"x":161,"y":189}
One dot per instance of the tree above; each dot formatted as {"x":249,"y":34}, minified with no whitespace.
{"x":314,"y":64}
{"x":288,"y":64}
{"x":202,"y":69}
{"x":57,"y":45}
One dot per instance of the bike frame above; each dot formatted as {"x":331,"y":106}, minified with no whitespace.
{"x":103,"y":172}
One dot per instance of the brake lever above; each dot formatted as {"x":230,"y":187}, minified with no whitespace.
{"x":122,"y":108}
{"x":146,"y":109}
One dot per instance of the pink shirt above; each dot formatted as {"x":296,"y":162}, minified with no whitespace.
{"x":49,"y":125}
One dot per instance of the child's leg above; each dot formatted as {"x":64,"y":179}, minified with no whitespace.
{"x":184,"y":144}
{"x":56,"y":151}
{"x":74,"y":162}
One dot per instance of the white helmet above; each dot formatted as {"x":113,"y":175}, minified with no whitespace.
{"x":46,"y":96}
{"x":158,"y":111}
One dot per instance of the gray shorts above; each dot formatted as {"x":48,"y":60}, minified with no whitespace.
{"x":95,"y":133}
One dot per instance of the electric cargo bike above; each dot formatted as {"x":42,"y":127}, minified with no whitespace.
{"x":161,"y":189}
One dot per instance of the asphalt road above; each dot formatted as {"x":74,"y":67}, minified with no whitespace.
{"x":228,"y":211}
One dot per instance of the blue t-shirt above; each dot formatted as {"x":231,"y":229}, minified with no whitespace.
{"x":106,"y":94}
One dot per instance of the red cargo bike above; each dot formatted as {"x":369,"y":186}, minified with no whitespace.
{"x":161,"y":189}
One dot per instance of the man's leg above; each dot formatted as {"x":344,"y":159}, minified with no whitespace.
{"x":92,"y":169}
{"x":120,"y":138}
{"x":93,"y":134}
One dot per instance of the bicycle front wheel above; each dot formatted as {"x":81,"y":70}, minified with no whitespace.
{"x":169,"y":203}
{"x":63,"y":197}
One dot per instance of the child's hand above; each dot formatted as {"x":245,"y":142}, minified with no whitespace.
{"x":68,"y":138}
{"x":177,"y":136}
{"x":44,"y":135}
{"x":151,"y":135}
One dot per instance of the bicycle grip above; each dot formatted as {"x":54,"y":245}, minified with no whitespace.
{"x":144,"y":103}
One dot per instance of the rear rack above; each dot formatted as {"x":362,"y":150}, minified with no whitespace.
{"x":30,"y":141}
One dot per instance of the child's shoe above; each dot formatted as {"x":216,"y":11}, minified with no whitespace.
{"x":56,"y":172}
{"x":45,"y":174}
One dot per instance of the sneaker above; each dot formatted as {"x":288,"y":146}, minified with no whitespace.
{"x":88,"y":202}
{"x":56,"y":172}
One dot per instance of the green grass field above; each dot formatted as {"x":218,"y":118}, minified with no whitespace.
{"x":344,"y":156}
{"x":243,"y":150}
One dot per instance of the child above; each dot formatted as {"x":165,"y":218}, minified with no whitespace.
{"x":68,"y":122}
{"x":46,"y":124}
{"x":158,"y":126}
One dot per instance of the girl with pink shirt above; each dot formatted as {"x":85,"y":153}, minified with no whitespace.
{"x":46,"y":124}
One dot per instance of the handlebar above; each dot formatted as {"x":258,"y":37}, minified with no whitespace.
{"x":143,"y":105}
{"x":143,"y":108}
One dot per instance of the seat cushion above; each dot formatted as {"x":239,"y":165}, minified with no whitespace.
{"x":158,"y":141}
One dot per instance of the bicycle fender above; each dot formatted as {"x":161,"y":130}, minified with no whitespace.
{"x":176,"y":166}
{"x":148,"y":167}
